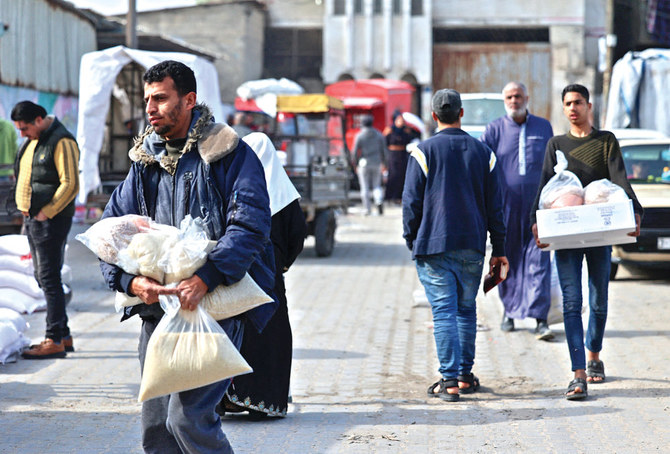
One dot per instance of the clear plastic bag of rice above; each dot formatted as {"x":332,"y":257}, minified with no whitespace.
{"x":108,"y":236}
{"x":142,"y":254}
{"x":187,"y":350}
{"x":170,"y":255}
{"x":563,"y":189}
{"x":182,"y":258}
{"x":223,"y":302}
{"x":227,"y":301}
{"x":604,"y":191}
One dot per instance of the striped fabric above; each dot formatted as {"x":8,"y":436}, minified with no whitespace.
{"x":23,"y":189}
{"x":66,"y":160}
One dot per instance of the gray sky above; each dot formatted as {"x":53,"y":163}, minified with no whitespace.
{"x":110,"y":7}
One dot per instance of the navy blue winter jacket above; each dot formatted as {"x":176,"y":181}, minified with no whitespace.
{"x":452,"y":196}
{"x":217,"y":178}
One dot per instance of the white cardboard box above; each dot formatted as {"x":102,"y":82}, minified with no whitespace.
{"x":583,"y":226}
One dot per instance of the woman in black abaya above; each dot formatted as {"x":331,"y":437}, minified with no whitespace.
{"x":265,"y":391}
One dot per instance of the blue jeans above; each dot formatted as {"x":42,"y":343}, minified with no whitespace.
{"x":569,"y":266}
{"x":186,"y":422}
{"x":451,"y":280}
{"x":47,"y":246}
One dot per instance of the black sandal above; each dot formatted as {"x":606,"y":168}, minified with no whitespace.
{"x":472,"y":380}
{"x":595,"y":369}
{"x":441,"y":392}
{"x":572,"y":387}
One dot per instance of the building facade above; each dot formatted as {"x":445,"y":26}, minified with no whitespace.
{"x":473,"y":46}
{"x":231,"y":31}
{"x":40,"y":48}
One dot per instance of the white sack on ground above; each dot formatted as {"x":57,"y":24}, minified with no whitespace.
{"x":12,"y":342}
{"x":22,"y":282}
{"x":21,"y":302}
{"x":14,"y":245}
{"x":14,"y":317}
{"x":24,"y":264}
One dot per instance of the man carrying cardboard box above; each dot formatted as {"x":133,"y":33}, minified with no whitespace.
{"x":591,"y":155}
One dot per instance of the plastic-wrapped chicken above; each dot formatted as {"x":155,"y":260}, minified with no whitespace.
{"x":563,"y":189}
{"x":604,"y":191}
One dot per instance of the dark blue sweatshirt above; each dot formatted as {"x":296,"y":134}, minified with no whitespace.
{"x":452,"y":196}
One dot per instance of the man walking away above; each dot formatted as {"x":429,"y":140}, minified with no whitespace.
{"x":450,"y":200}
{"x":370,"y":158}
{"x":47,"y":181}
{"x":518,"y":139}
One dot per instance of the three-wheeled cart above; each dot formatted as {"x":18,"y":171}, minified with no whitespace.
{"x":309,"y":135}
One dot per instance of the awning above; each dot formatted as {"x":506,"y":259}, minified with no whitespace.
{"x":308,"y":103}
{"x":246,"y":105}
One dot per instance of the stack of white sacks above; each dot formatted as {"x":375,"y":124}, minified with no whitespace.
{"x":19,"y":294}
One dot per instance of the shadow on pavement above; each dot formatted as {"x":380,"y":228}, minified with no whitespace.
{"x":399,"y":414}
{"x":346,"y":254}
{"x":627,"y":334}
{"x":319,"y":353}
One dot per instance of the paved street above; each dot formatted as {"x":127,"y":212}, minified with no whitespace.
{"x":364,"y":356}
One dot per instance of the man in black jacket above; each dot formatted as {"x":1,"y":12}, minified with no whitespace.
{"x":47,"y":181}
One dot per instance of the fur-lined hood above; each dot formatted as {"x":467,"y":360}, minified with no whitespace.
{"x":212,"y":140}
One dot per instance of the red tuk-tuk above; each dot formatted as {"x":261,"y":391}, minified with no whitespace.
{"x":376,"y":97}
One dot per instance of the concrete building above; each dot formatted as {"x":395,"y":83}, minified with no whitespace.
{"x":473,"y":46}
{"x":231,"y":31}
{"x":41,"y":44}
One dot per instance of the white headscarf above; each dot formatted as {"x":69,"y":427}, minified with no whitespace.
{"x":281,"y":190}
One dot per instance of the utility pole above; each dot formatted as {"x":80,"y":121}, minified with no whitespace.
{"x":131,"y":25}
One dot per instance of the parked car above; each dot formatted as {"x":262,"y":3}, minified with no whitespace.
{"x":647,"y":164}
{"x":636,"y":133}
{"x":480,"y":109}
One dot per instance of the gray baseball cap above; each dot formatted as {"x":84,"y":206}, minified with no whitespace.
{"x":446,"y":100}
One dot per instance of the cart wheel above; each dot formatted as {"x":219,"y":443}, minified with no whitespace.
{"x":613,"y":269}
{"x":324,"y":232}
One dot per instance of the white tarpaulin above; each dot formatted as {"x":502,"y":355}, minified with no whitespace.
{"x":97,"y":76}
{"x":254,"y":88}
{"x":638,"y":91}
{"x":264,"y":92}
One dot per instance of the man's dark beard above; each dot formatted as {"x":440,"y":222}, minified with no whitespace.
{"x":172,"y":121}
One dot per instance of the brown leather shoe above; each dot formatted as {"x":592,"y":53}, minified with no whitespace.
{"x":47,"y":349}
{"x":67,"y":342}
